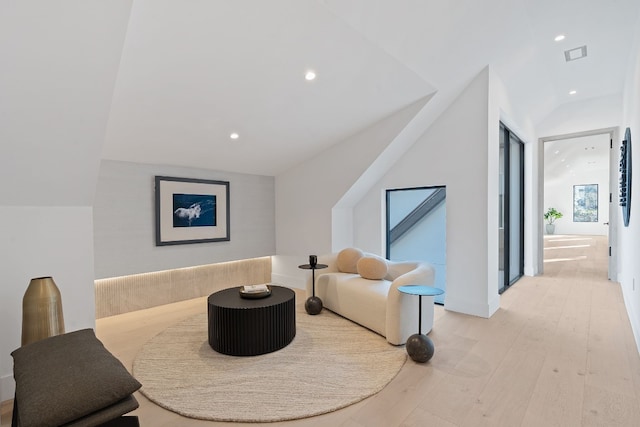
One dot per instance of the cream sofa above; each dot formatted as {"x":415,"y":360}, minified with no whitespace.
{"x":377,"y":304}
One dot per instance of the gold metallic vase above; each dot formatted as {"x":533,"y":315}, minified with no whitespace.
{"x":41,"y":310}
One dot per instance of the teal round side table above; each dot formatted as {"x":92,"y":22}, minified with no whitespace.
{"x":419,"y":346}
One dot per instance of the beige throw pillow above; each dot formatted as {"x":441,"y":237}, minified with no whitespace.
{"x":372,"y":267}
{"x":348,"y":260}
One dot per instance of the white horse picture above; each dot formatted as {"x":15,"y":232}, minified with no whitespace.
{"x":190,"y":213}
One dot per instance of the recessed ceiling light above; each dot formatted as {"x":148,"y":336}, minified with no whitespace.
{"x":234,"y":135}
{"x":573,"y":92}
{"x":310,"y":75}
{"x":559,"y":37}
{"x":557,"y":152}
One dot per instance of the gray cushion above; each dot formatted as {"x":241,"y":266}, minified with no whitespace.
{"x":66,"y":377}
{"x":110,"y":414}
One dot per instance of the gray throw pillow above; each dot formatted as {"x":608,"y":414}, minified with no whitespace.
{"x":65,"y":377}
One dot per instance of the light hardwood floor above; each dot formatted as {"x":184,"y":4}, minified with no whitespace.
{"x":558,"y":352}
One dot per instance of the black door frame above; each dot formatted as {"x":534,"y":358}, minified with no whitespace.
{"x":508,"y":136}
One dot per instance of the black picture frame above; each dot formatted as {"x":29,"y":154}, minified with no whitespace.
{"x":191,"y":211}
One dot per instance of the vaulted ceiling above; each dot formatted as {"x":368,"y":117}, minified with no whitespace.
{"x":193,"y":72}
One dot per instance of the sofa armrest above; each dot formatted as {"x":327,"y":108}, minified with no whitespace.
{"x":402,"y":309}
{"x":331,"y":260}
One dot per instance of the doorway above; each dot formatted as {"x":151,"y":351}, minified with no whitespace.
{"x":573,"y":164}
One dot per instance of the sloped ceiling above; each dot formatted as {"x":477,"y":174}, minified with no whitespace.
{"x":58,"y":67}
{"x":193,"y":72}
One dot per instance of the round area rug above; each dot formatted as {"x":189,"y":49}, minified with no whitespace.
{"x":331,"y":363}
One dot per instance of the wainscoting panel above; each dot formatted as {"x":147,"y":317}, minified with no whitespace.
{"x":123,"y":294}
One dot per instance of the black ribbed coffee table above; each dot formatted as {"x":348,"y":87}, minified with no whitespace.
{"x":248,"y":327}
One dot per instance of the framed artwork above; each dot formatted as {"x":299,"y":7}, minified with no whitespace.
{"x":585,"y":203}
{"x":191,"y":211}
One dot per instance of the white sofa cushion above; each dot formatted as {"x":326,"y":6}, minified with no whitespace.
{"x":362,"y":300}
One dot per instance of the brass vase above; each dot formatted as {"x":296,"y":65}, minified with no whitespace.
{"x":41,"y":310}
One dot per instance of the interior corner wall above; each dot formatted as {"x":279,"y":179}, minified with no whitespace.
{"x":453,"y":152}
{"x":307,"y":194}
{"x":59,"y":66}
{"x":43,"y":241}
{"x":124,"y":220}
{"x":629,"y":237}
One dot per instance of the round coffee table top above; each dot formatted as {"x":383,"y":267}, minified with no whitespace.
{"x":426,"y":291}
{"x":230,"y":298}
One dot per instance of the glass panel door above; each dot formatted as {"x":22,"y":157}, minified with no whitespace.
{"x":511,"y":209}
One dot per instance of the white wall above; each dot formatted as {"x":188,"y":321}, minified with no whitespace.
{"x":54,"y":103}
{"x":460,"y":150}
{"x":559,"y":194}
{"x":452,"y":152}
{"x":629,"y":237}
{"x":124,"y":220}
{"x":44,"y":241}
{"x":307,"y":195}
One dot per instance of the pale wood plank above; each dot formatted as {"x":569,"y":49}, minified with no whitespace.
{"x":608,"y":408}
{"x":5,"y":412}
{"x":504,"y":400}
{"x":420,"y":418}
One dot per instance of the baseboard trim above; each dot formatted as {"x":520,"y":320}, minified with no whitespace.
{"x":473,"y":309}
{"x":635,"y":328}
{"x":7,"y":387}
{"x":288,"y":281}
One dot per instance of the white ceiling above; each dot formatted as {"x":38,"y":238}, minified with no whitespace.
{"x":568,"y":157}
{"x":192,"y":72}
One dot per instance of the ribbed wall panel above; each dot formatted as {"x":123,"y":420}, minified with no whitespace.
{"x":123,"y":294}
